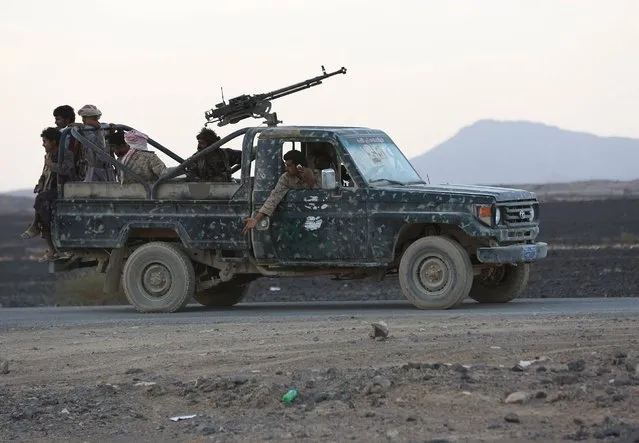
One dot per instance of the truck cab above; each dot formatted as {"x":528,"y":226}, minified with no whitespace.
{"x":373,"y":215}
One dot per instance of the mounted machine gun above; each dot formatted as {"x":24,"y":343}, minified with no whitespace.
{"x":259,"y":105}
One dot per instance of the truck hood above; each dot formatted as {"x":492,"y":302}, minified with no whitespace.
{"x":499,"y":194}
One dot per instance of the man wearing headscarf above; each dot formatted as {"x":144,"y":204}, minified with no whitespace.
{"x":216,"y":166}
{"x":131,"y":149}
{"x":97,"y":169}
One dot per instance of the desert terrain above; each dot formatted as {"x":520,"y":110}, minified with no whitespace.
{"x":471,"y":374}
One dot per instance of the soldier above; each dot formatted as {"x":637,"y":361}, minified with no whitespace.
{"x":216,"y":166}
{"x":47,"y":189}
{"x":97,"y":170}
{"x":64,"y":117}
{"x":131,"y":149}
{"x":297,"y":176}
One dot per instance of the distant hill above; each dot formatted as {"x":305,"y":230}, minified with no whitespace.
{"x":515,"y":152}
{"x":10,"y":205}
{"x":20,"y":193}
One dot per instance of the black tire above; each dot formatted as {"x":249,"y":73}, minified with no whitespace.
{"x":158,"y":277}
{"x":432,"y":257}
{"x":224,"y":295}
{"x":500,"y":284}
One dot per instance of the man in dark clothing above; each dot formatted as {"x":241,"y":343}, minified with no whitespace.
{"x":216,"y":166}
{"x":47,"y":189}
{"x":64,"y":119}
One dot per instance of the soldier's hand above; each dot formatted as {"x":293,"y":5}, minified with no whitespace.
{"x":250,"y":224}
{"x":48,"y":162}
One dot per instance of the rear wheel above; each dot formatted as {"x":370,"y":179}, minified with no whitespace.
{"x":158,"y":277}
{"x":435,"y":273}
{"x":500,"y":284}
{"x":225,"y":294}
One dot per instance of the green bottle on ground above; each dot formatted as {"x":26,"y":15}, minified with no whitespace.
{"x":289,"y":396}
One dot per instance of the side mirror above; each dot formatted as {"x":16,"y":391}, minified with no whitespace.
{"x":328,"y":179}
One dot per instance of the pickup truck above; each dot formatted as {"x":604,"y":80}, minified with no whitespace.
{"x":170,"y":241}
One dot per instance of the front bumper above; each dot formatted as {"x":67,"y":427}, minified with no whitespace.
{"x":513,"y":253}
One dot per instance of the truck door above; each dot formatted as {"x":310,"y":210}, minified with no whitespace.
{"x":313,"y":225}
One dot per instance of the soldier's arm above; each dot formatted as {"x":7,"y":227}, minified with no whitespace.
{"x":157,"y":166}
{"x":276,"y":196}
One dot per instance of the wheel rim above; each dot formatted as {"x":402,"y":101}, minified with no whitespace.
{"x":156,"y":280}
{"x":433,"y":275}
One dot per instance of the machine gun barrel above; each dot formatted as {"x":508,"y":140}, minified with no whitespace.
{"x":259,"y":105}
{"x":315,"y":81}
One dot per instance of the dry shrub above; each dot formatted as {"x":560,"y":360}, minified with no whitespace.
{"x":86,"y":291}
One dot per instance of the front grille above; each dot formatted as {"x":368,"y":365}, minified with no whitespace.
{"x":519,"y":214}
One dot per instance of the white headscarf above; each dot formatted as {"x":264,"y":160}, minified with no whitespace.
{"x":136,"y":140}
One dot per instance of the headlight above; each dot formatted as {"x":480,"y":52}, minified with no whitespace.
{"x":485,"y":214}
{"x":498,"y":215}
{"x":532,"y":213}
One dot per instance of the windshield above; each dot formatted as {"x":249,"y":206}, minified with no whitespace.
{"x":379,"y":160}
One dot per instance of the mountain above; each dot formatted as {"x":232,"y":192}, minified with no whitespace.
{"x":19,"y":193}
{"x":10,"y":205}
{"x":517,"y":152}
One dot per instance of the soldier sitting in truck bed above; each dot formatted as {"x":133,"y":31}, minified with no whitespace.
{"x":297,"y":176}
{"x":131,"y":149}
{"x":216,"y":166}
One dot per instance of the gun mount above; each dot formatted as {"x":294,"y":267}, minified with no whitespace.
{"x":259,"y":105}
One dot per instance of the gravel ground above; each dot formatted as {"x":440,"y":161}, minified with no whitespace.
{"x":436,"y":379}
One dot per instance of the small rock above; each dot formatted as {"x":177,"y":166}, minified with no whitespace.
{"x":581,"y":434}
{"x":380,"y":329}
{"x":239,"y":379}
{"x":133,"y":371}
{"x":542,"y":369}
{"x":321,"y":396}
{"x":622,"y":380}
{"x":310,"y":384}
{"x":393,"y":433}
{"x":494,"y":426}
{"x":512,"y":418}
{"x":4,"y":366}
{"x":540,"y":395}
{"x":206,"y":429}
{"x":411,"y":418}
{"x":578,"y":421}
{"x":369,"y":414}
{"x":382,"y":382}
{"x":520,"y":397}
{"x":566,"y":379}
{"x":577,"y":365}
{"x":437,"y":440}
{"x":412,"y":365}
{"x":619,"y":396}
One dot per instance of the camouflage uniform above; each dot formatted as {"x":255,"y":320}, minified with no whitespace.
{"x":144,"y":163}
{"x":283,"y":185}
{"x":95,"y":169}
{"x":214,"y":167}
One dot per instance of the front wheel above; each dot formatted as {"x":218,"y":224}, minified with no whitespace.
{"x":435,"y":273}
{"x":500,"y":284}
{"x":158,"y":277}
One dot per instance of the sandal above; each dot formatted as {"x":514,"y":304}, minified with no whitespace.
{"x":48,"y":256}
{"x":32,"y":231}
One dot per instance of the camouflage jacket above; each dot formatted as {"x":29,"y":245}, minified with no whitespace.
{"x":283,"y":185}
{"x":144,"y":163}
{"x":214,"y":167}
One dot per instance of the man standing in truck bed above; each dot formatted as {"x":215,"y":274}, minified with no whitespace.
{"x":216,"y":166}
{"x":297,"y":176}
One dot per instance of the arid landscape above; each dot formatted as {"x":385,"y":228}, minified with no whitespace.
{"x":462,"y":375}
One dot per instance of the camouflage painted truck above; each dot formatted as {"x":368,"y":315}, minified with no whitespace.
{"x":170,"y":241}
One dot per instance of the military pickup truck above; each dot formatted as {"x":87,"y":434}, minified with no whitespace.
{"x":171,"y":241}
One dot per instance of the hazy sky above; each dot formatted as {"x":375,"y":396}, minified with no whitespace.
{"x":420,"y":70}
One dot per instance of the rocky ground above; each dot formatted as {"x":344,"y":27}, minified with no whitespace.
{"x":432,"y":379}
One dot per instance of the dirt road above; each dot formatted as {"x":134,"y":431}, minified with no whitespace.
{"x":449,"y":376}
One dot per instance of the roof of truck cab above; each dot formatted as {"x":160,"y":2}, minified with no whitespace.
{"x":308,"y":130}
